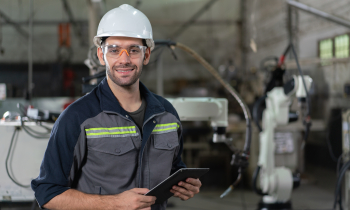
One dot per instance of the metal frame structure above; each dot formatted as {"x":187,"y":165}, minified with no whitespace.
{"x":319,"y":13}
{"x":17,"y":26}
{"x":76,"y":27}
{"x":192,"y":19}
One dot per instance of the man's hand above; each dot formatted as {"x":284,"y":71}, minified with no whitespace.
{"x":186,"y":190}
{"x":134,"y":199}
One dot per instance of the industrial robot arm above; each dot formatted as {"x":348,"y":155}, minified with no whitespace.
{"x":277,"y":182}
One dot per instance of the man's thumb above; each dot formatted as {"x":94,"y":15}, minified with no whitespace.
{"x":140,"y":190}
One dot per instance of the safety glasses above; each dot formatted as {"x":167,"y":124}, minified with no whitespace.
{"x":115,"y":51}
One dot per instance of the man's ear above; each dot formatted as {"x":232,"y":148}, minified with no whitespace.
{"x":147,"y":56}
{"x":100,"y":56}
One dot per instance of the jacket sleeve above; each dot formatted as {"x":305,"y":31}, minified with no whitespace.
{"x":55,"y":168}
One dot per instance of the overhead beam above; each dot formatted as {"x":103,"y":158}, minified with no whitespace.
{"x":155,"y":22}
{"x":18,"y":28}
{"x":193,"y":19}
{"x":197,"y":23}
{"x":43,"y":22}
{"x":76,"y":27}
{"x":319,"y":13}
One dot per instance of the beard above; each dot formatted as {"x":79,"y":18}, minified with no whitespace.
{"x":122,"y":81}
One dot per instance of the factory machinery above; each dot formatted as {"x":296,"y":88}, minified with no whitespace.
{"x":276,"y":183}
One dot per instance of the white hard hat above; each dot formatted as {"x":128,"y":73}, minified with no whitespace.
{"x":125,"y":21}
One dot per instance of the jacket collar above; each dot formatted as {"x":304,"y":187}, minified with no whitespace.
{"x":109,"y":102}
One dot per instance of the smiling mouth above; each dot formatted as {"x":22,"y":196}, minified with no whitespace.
{"x":124,"y":70}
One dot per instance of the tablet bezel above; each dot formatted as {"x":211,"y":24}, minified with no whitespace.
{"x":162,"y":190}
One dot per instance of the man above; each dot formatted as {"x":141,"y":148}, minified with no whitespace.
{"x":111,"y":146}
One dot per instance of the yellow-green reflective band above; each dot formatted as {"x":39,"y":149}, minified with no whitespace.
{"x":113,"y":128}
{"x":168,"y":124}
{"x":165,"y":129}
{"x":109,"y":133}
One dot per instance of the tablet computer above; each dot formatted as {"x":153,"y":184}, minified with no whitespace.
{"x":162,"y":190}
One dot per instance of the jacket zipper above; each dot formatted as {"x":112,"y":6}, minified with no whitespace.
{"x":127,"y":118}
{"x":140,"y":164}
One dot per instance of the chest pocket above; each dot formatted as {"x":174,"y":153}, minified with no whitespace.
{"x":166,"y":141}
{"x":165,"y":136}
{"x":113,"y":146}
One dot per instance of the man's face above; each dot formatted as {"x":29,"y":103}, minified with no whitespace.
{"x":123,"y":71}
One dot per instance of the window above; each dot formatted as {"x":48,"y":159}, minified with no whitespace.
{"x":326,"y":48}
{"x":337,"y":47}
{"x":341,"y":46}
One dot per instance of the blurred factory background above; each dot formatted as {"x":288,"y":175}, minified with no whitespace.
{"x":46,"y":49}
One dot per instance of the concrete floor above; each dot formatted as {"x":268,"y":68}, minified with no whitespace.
{"x":315,"y":192}
{"x":306,"y":197}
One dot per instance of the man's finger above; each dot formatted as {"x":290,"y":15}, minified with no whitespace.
{"x":140,"y":190}
{"x":189,"y":187}
{"x":183,"y":191}
{"x":195,"y":182}
{"x":179,"y":195}
{"x":148,"y":199}
{"x":145,"y":206}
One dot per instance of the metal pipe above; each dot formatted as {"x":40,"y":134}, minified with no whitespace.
{"x":30,"y":53}
{"x":193,"y":19}
{"x":319,"y":13}
{"x":243,"y":36}
{"x":289,"y":25}
{"x":160,"y":90}
{"x":14,"y":24}
{"x":93,"y":21}
{"x":1,"y":49}
{"x":230,"y":89}
{"x":76,"y":27}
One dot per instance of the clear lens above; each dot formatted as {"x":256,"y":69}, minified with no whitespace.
{"x":115,"y":51}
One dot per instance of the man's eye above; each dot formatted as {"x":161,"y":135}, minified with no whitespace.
{"x":134,"y":50}
{"x":113,"y":50}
